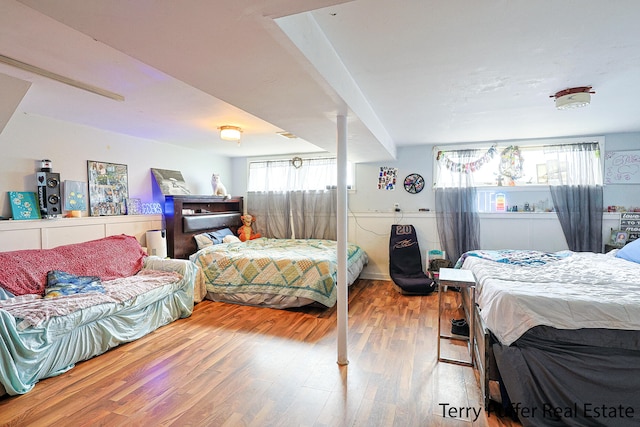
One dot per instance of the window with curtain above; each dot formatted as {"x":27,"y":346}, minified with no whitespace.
{"x":294,"y":198}
{"x":518,"y":165}
{"x":572,"y":172}
{"x":290,"y":175}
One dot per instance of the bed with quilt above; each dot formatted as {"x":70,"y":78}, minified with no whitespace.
{"x":564,"y":333}
{"x":64,"y":305}
{"x":276,"y":273}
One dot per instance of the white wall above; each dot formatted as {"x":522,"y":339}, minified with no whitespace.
{"x":372,"y":210}
{"x":622,"y":194}
{"x":28,"y":139}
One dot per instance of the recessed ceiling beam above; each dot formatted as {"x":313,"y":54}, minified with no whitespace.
{"x":62,"y":79}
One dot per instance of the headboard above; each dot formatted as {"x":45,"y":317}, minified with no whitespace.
{"x":189,"y":215}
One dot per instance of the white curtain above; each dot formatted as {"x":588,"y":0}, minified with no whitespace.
{"x":292,"y":199}
{"x":282,"y":175}
{"x":574,"y":164}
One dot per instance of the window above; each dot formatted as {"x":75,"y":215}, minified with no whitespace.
{"x":517,"y":176}
{"x":294,"y":175}
{"x":519,"y":165}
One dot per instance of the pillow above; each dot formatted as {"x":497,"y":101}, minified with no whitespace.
{"x":212,"y":238}
{"x":231,"y":239}
{"x":630,"y":251}
{"x":60,"y":283}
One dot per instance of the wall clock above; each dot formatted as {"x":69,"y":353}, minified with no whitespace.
{"x":414,"y":183}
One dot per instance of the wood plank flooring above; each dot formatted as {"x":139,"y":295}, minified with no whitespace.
{"x":233,"y":365}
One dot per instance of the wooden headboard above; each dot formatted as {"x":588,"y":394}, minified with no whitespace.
{"x":187,"y":216}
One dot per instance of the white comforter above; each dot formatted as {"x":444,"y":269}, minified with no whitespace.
{"x":584,"y":290}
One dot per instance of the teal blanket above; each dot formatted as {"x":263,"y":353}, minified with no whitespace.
{"x":56,"y":344}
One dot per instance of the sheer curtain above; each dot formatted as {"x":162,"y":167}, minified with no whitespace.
{"x":293,"y":201}
{"x":578,"y":197}
{"x":456,"y":201}
{"x":314,"y":214}
{"x":272,"y":212}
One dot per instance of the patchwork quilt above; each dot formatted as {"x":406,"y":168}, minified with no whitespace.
{"x":294,"y":267}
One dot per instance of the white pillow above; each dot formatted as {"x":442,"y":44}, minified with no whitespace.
{"x":230,"y":239}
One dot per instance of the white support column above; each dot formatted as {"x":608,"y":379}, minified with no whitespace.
{"x":343,"y":294}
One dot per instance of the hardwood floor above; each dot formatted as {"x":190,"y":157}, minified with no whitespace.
{"x":232,"y":365}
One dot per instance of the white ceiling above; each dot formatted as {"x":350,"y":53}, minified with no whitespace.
{"x":404,"y":72}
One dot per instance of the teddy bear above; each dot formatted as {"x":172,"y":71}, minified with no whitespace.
{"x":244,"y":231}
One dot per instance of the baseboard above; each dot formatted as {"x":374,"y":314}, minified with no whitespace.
{"x":374,"y":276}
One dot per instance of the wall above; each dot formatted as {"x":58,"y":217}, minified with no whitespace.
{"x":27,"y":139}
{"x":372,"y":211}
{"x":622,"y":194}
{"x":418,"y":159}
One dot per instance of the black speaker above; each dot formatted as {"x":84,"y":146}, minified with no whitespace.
{"x":49,"y":193}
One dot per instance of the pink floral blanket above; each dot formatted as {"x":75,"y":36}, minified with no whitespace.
{"x":33,"y":309}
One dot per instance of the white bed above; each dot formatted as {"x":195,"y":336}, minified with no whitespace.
{"x":563,"y":331}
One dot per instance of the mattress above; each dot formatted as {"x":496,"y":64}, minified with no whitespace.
{"x":518,"y":290}
{"x":303,"y":270}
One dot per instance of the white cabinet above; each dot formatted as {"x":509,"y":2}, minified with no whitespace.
{"x":49,"y":233}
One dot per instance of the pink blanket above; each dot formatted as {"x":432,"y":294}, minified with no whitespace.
{"x":25,"y":272}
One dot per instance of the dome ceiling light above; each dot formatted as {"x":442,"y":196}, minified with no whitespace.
{"x":230,"y":133}
{"x":574,"y":97}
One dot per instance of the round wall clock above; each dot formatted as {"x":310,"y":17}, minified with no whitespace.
{"x":414,"y":183}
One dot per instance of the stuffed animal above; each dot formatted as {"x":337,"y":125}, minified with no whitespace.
{"x":245,"y":232}
{"x":218,"y":187}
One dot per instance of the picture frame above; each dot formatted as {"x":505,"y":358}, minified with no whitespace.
{"x":108,"y":188}
{"x":170,"y":182}
{"x":134,"y":207}
{"x":24,"y":205}
{"x":619,"y":237}
{"x":75,"y":196}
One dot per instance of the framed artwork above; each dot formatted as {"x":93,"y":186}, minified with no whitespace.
{"x":619,"y":238}
{"x":134,"y":207}
{"x":75,"y":196}
{"x":24,"y":205}
{"x":108,"y":188}
{"x":170,"y":182}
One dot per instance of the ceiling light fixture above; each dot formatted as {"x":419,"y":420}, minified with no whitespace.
{"x":230,"y":133}
{"x":574,"y":97}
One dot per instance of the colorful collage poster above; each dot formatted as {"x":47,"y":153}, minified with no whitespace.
{"x":387,"y":178}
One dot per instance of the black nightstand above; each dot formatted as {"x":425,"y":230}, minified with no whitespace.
{"x":608,"y":248}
